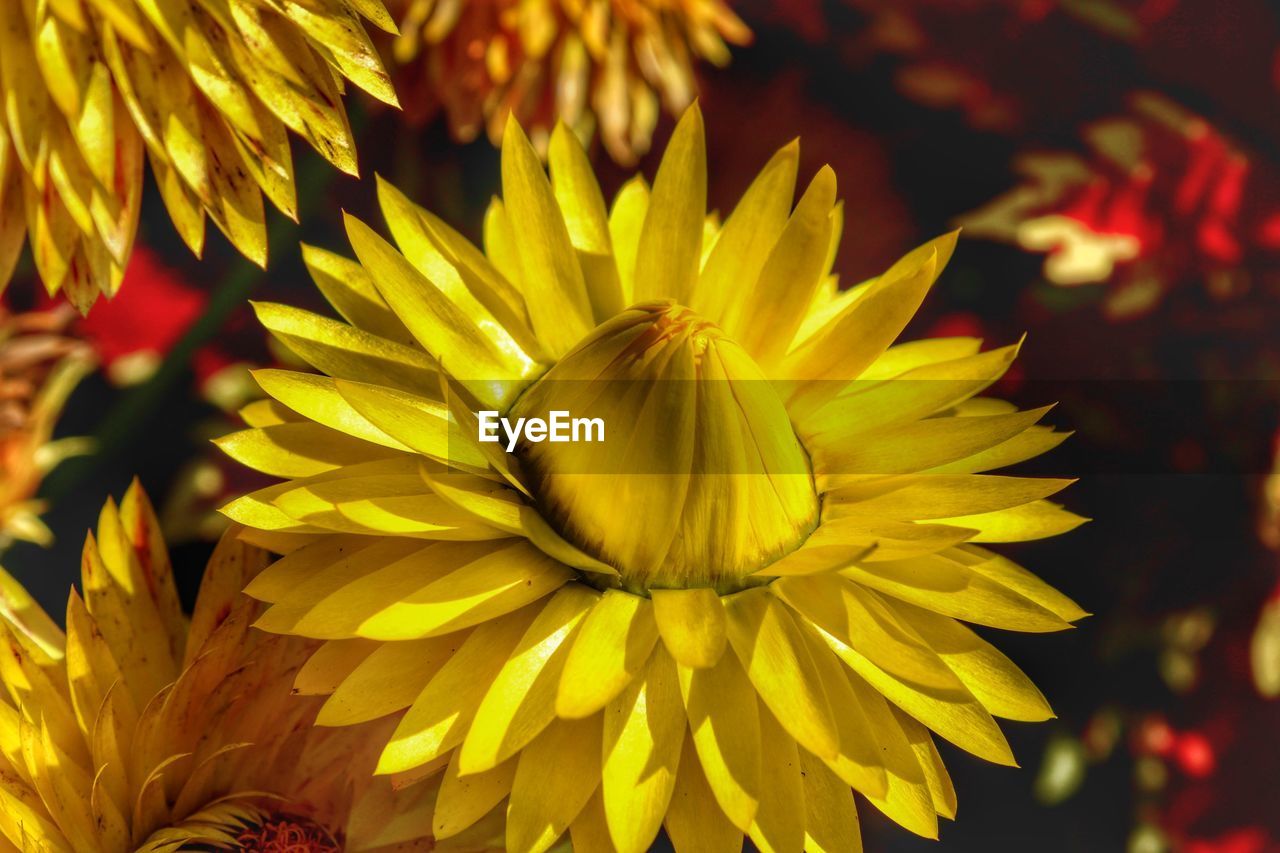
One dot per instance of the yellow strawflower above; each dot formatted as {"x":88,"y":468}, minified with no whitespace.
{"x":142,"y":730}
{"x":607,"y":64}
{"x":207,"y":90}
{"x":742,"y":605}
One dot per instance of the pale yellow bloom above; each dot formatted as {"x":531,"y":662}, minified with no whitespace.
{"x":742,"y":606}
{"x":208,"y":90}
{"x":607,"y":64}
{"x":141,"y":729}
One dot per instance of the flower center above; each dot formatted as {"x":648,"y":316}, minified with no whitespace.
{"x":700,"y":479}
{"x":287,"y":834}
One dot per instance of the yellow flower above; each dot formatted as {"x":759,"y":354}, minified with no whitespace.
{"x":743,"y":604}
{"x":141,"y":729}
{"x":611,"y":63}
{"x":40,"y":365}
{"x":207,"y":90}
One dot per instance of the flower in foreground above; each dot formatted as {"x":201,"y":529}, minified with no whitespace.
{"x":41,"y":363}
{"x":744,"y":605}
{"x":207,"y":90}
{"x":142,"y":730}
{"x":611,"y":64}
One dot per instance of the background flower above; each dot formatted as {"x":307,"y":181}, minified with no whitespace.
{"x":208,"y":93}
{"x":611,"y":66}
{"x":135,"y":730}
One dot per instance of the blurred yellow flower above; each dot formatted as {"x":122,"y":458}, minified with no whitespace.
{"x":142,"y":730}
{"x":40,"y":365}
{"x":740,"y":607}
{"x":606,"y":64}
{"x":207,"y":90}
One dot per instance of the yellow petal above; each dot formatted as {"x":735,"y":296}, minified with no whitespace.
{"x":464,"y":349}
{"x":790,"y":276}
{"x":1036,"y":520}
{"x":578,"y":194}
{"x":908,"y":801}
{"x":749,"y":234}
{"x":347,"y":352}
{"x":724,"y":720}
{"x":447,"y":587}
{"x":643,"y":733}
{"x":830,"y":817}
{"x":557,"y":774}
{"x":667,"y":259}
{"x":626,"y":219}
{"x":463,"y":800}
{"x":553,"y":284}
{"x":694,"y":821}
{"x":418,"y":422}
{"x":941,"y":791}
{"x":353,"y":294}
{"x":387,"y":680}
{"x":438,"y":719}
{"x":923,"y":445}
{"x":521,"y":701}
{"x":773,"y":652}
{"x":298,"y":449}
{"x":317,"y":398}
{"x":330,"y":664}
{"x":610,"y":650}
{"x":779,"y":824}
{"x":942,"y":496}
{"x":857,"y":336}
{"x":950,"y":583}
{"x":692,"y":624}
{"x":954,"y":714}
{"x":992,"y":678}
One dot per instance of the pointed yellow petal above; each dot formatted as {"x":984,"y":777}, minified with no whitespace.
{"x":941,"y":791}
{"x":626,"y":220}
{"x":317,"y":398}
{"x":722,"y":708}
{"x":557,"y":774}
{"x":347,"y":352}
{"x":521,"y":701}
{"x":830,"y":817}
{"x":775,"y":656}
{"x":909,"y":800}
{"x":578,"y":194}
{"x":694,"y":821}
{"x":857,"y":336}
{"x":790,"y":276}
{"x":923,"y":445}
{"x":353,"y":294}
{"x":438,"y":719}
{"x":330,"y":664}
{"x":779,"y":824}
{"x":1036,"y":520}
{"x":749,"y":234}
{"x":992,"y":678}
{"x":387,"y":680}
{"x":670,"y":247}
{"x":463,"y":800}
{"x":553,"y":284}
{"x":610,"y":650}
{"x":298,"y":449}
{"x":643,"y":733}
